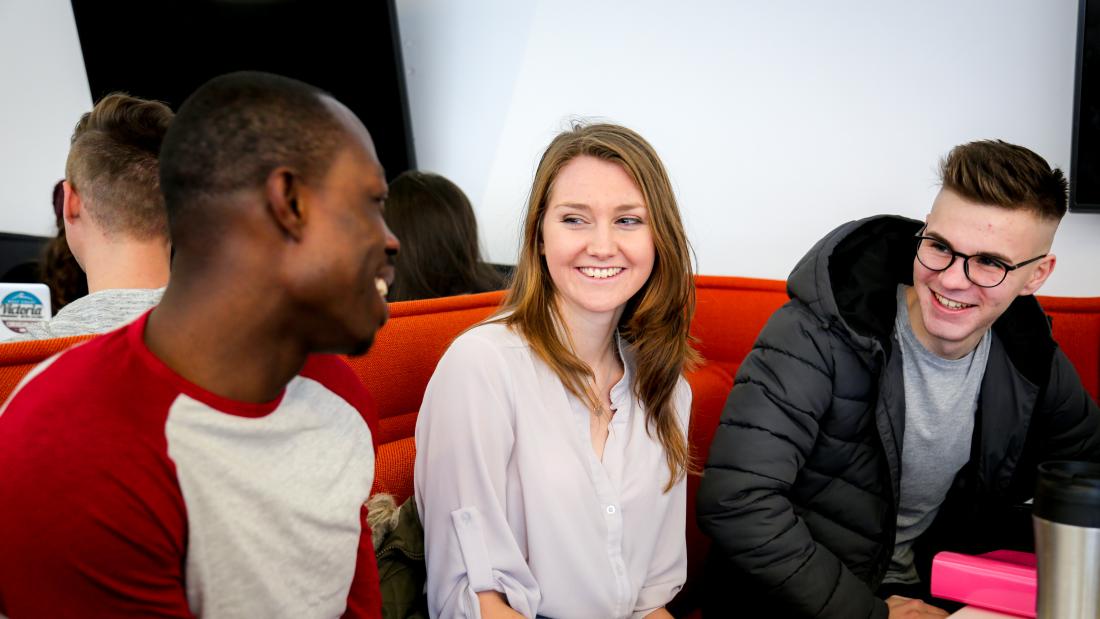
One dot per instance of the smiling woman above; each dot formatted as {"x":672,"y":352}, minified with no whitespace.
{"x":596,"y":238}
{"x":551,"y":444}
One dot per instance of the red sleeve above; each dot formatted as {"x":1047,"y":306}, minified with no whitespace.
{"x":92,"y":522}
{"x":365,"y":596}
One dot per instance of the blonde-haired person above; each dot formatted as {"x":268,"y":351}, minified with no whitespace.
{"x":113,"y":216}
{"x":552,"y":441}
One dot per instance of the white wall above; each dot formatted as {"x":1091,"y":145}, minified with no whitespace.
{"x":43,"y":92}
{"x":777,"y":120}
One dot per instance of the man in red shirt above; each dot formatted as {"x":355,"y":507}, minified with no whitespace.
{"x":204,"y":461}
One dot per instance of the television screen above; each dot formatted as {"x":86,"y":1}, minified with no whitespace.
{"x":1085,"y":164}
{"x":164,"y":49}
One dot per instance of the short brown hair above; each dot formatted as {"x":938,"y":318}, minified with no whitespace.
{"x":1006,"y":175}
{"x":113,"y":165}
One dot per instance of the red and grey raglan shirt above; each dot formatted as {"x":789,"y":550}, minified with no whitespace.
{"x":126,"y":491}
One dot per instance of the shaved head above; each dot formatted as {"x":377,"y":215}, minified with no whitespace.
{"x":233,"y":131}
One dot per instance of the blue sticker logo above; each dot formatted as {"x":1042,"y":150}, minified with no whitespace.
{"x":19,"y":309}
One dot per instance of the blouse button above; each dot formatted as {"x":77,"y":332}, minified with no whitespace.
{"x":611,"y":509}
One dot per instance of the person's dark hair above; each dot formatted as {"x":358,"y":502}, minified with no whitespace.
{"x":232,"y":132}
{"x":58,"y":199}
{"x":1006,"y":175}
{"x":440,"y":256}
{"x":58,"y":267}
{"x":112,"y":164}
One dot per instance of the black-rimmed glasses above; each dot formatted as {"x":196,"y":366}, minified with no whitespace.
{"x":982,"y":270}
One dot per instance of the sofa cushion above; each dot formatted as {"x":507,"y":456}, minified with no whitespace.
{"x":394,"y":469}
{"x":1076,"y":326}
{"x":729,"y":313}
{"x":405,"y":351}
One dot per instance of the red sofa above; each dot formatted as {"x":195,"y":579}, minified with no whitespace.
{"x":729,"y":314}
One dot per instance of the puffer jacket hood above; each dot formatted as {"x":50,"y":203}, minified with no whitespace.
{"x":851,"y":275}
{"x":849,"y":280}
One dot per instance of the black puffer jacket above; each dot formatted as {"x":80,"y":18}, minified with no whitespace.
{"x":800,"y":492}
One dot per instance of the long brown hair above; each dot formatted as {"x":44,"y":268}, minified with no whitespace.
{"x":656,"y":319}
{"x":440,"y":255}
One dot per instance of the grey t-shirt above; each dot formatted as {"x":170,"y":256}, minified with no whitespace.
{"x":941,"y":397}
{"x":98,"y":312}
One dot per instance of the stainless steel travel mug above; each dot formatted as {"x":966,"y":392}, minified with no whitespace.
{"x":1067,"y":540}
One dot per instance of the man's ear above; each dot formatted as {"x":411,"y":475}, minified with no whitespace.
{"x":283,"y":192}
{"x":73,"y":220}
{"x":72,"y":207}
{"x":1042,"y":271}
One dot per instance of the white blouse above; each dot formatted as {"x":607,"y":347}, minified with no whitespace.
{"x":513,"y":498}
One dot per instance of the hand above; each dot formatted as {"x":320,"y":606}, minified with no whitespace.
{"x":908,"y":608}
{"x":493,"y":606}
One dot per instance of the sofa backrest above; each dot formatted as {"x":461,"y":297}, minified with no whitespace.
{"x":730,"y":312}
{"x":397,"y":369}
{"x":1076,"y":326}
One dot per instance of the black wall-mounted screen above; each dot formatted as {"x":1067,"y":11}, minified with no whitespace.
{"x":1084,"y":192}
{"x":165,"y":49}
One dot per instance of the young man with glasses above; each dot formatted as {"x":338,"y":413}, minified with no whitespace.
{"x":898,"y":404}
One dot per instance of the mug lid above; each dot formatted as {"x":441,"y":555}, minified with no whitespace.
{"x":1069,"y":493}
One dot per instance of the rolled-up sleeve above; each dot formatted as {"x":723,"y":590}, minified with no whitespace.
{"x":464,"y":439}
{"x":668,"y":566}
